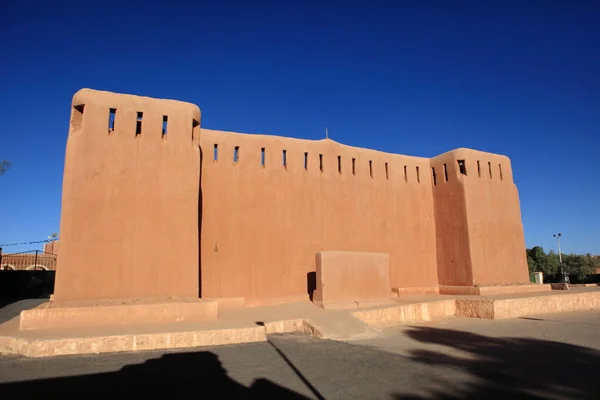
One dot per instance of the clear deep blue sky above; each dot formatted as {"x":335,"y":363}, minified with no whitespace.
{"x":520,"y":78}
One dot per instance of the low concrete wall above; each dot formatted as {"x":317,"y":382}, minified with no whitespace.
{"x":44,"y":317}
{"x":408,"y":313}
{"x":518,"y":307}
{"x":509,"y":289}
{"x":492,"y":290}
{"x":351,"y":277}
{"x":411,"y":291}
{"x":121,"y":343}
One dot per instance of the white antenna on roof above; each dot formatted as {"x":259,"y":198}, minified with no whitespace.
{"x":326,"y":133}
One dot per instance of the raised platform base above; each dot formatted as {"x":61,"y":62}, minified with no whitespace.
{"x":84,"y":314}
{"x":244,"y":325}
{"x":516,"y":307}
{"x":119,"y":343}
{"x":348,"y":305}
{"x":492,"y":290}
{"x":411,"y":291}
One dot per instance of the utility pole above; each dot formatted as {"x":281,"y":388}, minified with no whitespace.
{"x":562,"y":270}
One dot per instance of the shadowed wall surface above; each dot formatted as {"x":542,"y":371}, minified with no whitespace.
{"x":151,"y":213}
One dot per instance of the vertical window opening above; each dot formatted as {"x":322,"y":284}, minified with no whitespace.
{"x":321,"y":162}
{"x":500,"y":169}
{"x":490,"y":169}
{"x":236,"y":153}
{"x":138,"y":125}
{"x":305,"y":161}
{"x":371,"y":168}
{"x":387,"y":173}
{"x":112,"y":112}
{"x":418,"y":177}
{"x":340,"y":164}
{"x":195,"y":125}
{"x":77,"y":117}
{"x":164,"y":125}
{"x":478,"y":168}
{"x":262,"y":156}
{"x":216,"y":152}
{"x":434,"y":176}
{"x":284,"y":158}
{"x":405,"y":174}
{"x":445,"y":173}
{"x":462,"y":166}
{"x":354,"y":166}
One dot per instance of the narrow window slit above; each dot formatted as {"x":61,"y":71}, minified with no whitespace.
{"x":490,"y":169}
{"x":445,"y":173}
{"x":112,"y":112}
{"x":405,"y":174}
{"x":262,"y":156}
{"x":284,"y":158}
{"x":354,"y":166}
{"x":195,"y":125}
{"x":305,"y":161}
{"x":216,"y":152}
{"x":500,"y":169}
{"x":138,"y":125}
{"x":164,"y":125}
{"x":321,"y":162}
{"x":371,"y":168}
{"x":77,"y":117}
{"x":462,"y":166}
{"x":478,"y":168}
{"x":418,"y":177}
{"x":340,"y":164}
{"x":236,"y":154}
{"x":387,"y":173}
{"x":434,"y":176}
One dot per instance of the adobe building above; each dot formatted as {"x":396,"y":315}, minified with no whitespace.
{"x":156,"y":206}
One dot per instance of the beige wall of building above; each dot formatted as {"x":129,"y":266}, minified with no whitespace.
{"x":227,"y":214}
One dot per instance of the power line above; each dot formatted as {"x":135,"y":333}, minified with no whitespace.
{"x":31,"y":242}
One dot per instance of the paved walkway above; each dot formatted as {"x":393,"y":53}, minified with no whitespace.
{"x":552,"y":356}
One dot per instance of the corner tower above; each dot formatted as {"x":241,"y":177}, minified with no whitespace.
{"x":130,"y":204}
{"x":479,"y":232}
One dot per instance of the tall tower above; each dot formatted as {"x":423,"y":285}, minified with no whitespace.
{"x":130,"y":205}
{"x":479,"y":232}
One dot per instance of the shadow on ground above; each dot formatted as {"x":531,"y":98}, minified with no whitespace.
{"x":510,"y":368}
{"x":12,"y":310}
{"x":197,"y":375}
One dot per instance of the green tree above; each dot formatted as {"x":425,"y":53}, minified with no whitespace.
{"x":539,"y":261}
{"x":552,"y":263}
{"x":576,"y":266}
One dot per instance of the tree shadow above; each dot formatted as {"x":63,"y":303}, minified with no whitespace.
{"x":12,"y":310}
{"x":19,"y":285}
{"x":505,"y":368}
{"x":197,"y":375}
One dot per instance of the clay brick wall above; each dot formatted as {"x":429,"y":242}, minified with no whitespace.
{"x":129,"y":224}
{"x":51,"y":247}
{"x":480,"y":237}
{"x":354,"y":277}
{"x":152,"y":213}
{"x":263,"y":225}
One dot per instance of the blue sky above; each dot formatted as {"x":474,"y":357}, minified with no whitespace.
{"x":520,"y":78}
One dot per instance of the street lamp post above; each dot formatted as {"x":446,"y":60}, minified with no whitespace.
{"x":565,"y":278}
